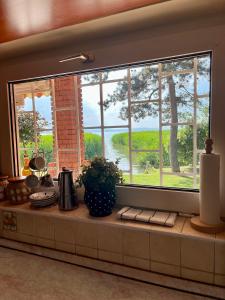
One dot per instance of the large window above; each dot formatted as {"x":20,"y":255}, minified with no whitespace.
{"x":153,"y":117}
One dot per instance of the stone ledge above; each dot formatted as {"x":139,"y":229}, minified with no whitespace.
{"x":182,"y":226}
{"x":138,"y":245}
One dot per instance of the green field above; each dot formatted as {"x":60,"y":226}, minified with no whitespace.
{"x":148,"y":163}
{"x":142,"y":139}
{"x":154,"y":179}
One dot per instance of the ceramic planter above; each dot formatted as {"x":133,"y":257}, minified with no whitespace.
{"x":17,"y":191}
{"x":100,"y":203}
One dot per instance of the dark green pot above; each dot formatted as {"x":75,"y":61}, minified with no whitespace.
{"x":100,"y":203}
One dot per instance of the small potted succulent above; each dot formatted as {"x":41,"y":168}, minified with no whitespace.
{"x":99,"y":178}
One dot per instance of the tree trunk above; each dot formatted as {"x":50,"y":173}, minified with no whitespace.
{"x":174,"y":128}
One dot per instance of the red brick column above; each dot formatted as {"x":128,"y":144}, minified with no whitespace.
{"x":68,"y":108}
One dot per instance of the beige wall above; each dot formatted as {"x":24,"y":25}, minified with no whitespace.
{"x":145,"y":44}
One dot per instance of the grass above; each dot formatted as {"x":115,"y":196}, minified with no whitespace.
{"x":93,"y":145}
{"x":149,"y":140}
{"x":154,"y":179}
{"x":142,"y":139}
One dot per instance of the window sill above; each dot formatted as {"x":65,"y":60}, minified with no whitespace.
{"x":141,"y":246}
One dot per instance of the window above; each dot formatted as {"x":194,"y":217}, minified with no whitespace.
{"x":153,"y":117}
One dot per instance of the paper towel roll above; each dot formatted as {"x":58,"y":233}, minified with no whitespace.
{"x":210,"y":188}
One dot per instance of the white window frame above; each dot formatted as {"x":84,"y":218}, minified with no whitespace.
{"x":131,"y":102}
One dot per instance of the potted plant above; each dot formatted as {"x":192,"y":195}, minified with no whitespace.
{"x":99,"y":178}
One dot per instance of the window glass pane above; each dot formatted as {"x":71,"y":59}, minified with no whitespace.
{"x":126,"y":177}
{"x":43,"y":107}
{"x":144,"y":83}
{"x":202,"y":122}
{"x":178,"y":65}
{"x":178,"y":112}
{"x":145,"y":167}
{"x":178,"y":156}
{"x":203,"y":75}
{"x":46,"y":145}
{"x":117,"y":146}
{"x":115,"y":104}
{"x":92,"y":143}
{"x":178,"y":181}
{"x":24,"y":104}
{"x":91,"y":106}
{"x":115,"y":74}
{"x":145,"y":125}
{"x":89,"y":78}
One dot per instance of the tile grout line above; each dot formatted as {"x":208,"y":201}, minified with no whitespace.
{"x":214,"y":260}
{"x":150,"y":256}
{"x":180,"y":244}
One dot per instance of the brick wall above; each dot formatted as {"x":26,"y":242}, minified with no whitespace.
{"x":69,"y":139}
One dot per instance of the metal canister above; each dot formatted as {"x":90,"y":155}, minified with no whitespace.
{"x":67,"y":195}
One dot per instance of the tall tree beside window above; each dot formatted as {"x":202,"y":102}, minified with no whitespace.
{"x":176,"y":91}
{"x":30,"y":126}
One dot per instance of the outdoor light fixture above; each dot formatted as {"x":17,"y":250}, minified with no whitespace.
{"x":82,"y":56}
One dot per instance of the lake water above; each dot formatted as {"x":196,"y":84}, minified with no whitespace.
{"x":111,"y":153}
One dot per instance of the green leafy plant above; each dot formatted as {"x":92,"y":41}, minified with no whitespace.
{"x":100,"y":175}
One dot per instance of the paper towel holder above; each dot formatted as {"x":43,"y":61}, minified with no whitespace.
{"x":196,"y":223}
{"x":206,"y":228}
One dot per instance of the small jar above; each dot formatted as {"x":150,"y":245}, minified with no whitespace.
{"x":3,"y":185}
{"x":17,"y":191}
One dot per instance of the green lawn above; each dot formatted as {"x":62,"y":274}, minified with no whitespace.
{"x":149,"y":162}
{"x":154,"y":179}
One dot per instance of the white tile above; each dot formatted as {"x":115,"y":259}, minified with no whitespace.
{"x":85,"y":251}
{"x":65,"y":230}
{"x":110,"y":256}
{"x":165,"y":268}
{"x":86,"y":235}
{"x":110,"y":238}
{"x":165,"y":248}
{"x":197,"y":275}
{"x":136,"y":262}
{"x":44,"y":227}
{"x":197,"y":254}
{"x":26,"y":224}
{"x":136,"y":243}
{"x":220,"y":257}
{"x":219,"y":279}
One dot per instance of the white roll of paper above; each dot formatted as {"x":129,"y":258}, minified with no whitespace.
{"x":210,"y":189}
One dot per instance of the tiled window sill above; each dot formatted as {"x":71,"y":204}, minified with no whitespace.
{"x":178,"y":251}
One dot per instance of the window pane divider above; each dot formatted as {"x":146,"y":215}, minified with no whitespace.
{"x":160,"y":127}
{"x":195,"y":124}
{"x":176,"y":72}
{"x":102,"y":114}
{"x":150,"y":151}
{"x":129,"y":124}
{"x":181,"y":174}
{"x":145,"y":101}
{"x":179,"y":123}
